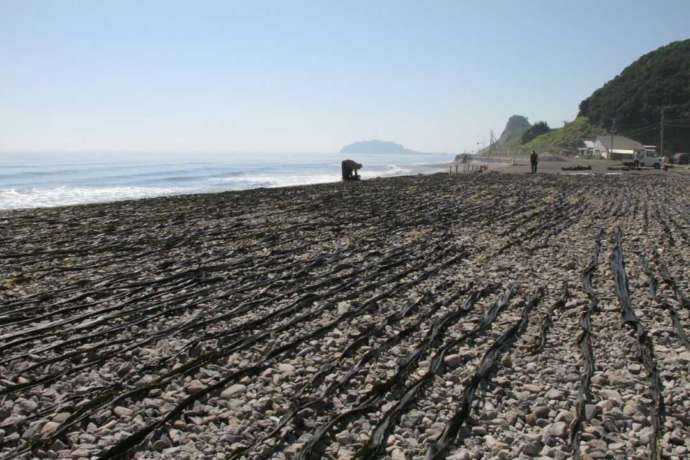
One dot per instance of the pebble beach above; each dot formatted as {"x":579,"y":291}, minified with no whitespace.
{"x":469,"y":316}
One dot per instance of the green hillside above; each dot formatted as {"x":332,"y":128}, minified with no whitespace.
{"x":631,"y":103}
{"x":567,"y":138}
{"x":635,"y":98}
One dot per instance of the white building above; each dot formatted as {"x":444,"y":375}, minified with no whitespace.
{"x":615,"y":147}
{"x":587,"y":151}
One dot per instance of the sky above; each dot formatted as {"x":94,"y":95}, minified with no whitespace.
{"x":307,"y":76}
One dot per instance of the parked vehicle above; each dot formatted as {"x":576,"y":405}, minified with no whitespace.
{"x":648,"y":158}
{"x":681,"y":158}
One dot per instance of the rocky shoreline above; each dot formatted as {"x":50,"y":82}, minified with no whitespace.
{"x":463,"y":317}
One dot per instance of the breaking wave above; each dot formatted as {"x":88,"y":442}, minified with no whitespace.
{"x":29,"y":184}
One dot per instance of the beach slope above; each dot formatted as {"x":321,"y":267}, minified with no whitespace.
{"x":481,"y":314}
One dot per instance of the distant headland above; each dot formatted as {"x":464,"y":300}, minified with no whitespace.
{"x":376,"y":146}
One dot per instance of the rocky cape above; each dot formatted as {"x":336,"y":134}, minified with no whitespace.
{"x":512,"y":134}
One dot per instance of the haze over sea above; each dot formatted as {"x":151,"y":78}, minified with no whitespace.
{"x":58,"y":179}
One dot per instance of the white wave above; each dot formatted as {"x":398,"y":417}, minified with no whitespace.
{"x":390,"y":170}
{"x":66,"y":195}
{"x":14,"y":197}
{"x":21,"y":198}
{"x":286,"y":180}
{"x":274,"y":180}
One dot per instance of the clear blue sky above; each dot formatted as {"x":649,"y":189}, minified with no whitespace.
{"x":307,"y":75}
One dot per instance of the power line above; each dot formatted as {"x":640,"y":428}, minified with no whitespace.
{"x":644,"y":128}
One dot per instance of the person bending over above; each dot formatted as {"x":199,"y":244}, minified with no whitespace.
{"x":350,"y":169}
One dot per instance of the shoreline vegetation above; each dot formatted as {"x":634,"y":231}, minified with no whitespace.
{"x":648,"y":101}
{"x":401,"y":316}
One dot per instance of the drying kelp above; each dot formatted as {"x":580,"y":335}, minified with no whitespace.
{"x":403,"y":317}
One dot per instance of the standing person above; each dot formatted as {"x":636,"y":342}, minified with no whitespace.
{"x":534,"y":161}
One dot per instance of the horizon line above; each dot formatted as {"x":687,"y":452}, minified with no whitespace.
{"x":213,"y":152}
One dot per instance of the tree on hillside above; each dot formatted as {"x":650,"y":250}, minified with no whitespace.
{"x":539,"y":128}
{"x":657,"y":81}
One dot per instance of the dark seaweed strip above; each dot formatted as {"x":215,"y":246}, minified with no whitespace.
{"x":678,"y":326}
{"x":671,"y":282}
{"x":314,"y":448}
{"x":667,"y":230}
{"x":28,"y":333}
{"x":584,"y":342}
{"x":366,"y":358}
{"x":195,"y":273}
{"x":547,"y":321}
{"x":450,"y":435}
{"x":290,"y":309}
{"x":379,"y":436}
{"x":295,"y":305}
{"x":125,"y":446}
{"x":547,"y":218}
{"x":91,"y":362}
{"x":646,"y":346}
{"x":653,"y":284}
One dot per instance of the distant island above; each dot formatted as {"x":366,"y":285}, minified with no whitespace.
{"x":375,"y":146}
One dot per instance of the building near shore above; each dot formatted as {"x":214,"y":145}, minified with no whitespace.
{"x":587,"y":151}
{"x":611,"y":147}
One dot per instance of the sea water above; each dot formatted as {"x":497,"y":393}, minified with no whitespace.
{"x":59,"y":179}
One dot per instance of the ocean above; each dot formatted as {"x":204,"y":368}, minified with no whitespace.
{"x":59,"y":179}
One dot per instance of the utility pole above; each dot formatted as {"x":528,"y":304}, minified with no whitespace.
{"x":613,"y":131}
{"x":661,"y":130}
